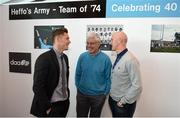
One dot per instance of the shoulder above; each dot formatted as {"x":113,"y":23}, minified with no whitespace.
{"x":43,"y":60}
{"x":130,"y":58}
{"x":104,"y":55}
{"x":44,"y":56}
{"x":84,"y":54}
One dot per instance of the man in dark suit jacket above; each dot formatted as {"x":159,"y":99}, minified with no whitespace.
{"x":50,"y":85}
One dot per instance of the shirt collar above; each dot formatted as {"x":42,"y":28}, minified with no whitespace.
{"x":58,"y":54}
{"x":122,"y":52}
{"x":95,"y":54}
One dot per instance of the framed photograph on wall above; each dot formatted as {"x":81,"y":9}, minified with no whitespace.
{"x":165,"y":38}
{"x":105,"y":32}
{"x":43,"y":36}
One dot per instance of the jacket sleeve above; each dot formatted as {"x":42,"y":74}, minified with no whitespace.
{"x":78,"y":72}
{"x":135,"y":77}
{"x":40,"y":81}
{"x":108,"y":75}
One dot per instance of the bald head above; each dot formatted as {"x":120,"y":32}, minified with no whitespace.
{"x":119,"y":40}
{"x":121,"y":36}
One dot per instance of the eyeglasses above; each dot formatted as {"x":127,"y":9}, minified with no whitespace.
{"x":91,"y":43}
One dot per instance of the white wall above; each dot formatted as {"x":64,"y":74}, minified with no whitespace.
{"x":1,"y":95}
{"x":160,"y":72}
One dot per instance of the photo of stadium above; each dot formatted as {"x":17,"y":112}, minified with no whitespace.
{"x":165,"y":38}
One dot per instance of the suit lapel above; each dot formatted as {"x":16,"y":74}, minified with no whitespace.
{"x":66,"y":60}
{"x":54,"y":59}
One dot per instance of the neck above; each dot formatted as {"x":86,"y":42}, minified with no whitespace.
{"x":120,"y":49}
{"x":93,"y":54}
{"x":60,"y":50}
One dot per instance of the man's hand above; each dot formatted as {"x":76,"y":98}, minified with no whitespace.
{"x":120,"y":104}
{"x":48,"y":111}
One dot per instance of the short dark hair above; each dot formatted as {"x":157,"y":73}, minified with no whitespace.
{"x":57,"y":32}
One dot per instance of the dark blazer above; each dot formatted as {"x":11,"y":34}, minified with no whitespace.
{"x":46,"y":78}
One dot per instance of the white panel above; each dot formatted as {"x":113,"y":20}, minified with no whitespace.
{"x":1,"y":95}
{"x":160,"y":71}
{"x":2,"y":1}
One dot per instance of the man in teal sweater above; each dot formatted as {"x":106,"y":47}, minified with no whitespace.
{"x":92,"y":79}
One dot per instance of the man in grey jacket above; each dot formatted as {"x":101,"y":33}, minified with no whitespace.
{"x":126,"y":79}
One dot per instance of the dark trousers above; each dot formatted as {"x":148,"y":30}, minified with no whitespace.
{"x":126,"y":111}
{"x":86,"y":103}
{"x":59,"y":109}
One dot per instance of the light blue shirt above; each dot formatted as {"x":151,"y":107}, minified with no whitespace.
{"x":43,"y":45}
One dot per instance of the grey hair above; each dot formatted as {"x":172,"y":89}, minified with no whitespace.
{"x":94,"y":35}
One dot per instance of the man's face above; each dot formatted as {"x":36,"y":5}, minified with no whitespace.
{"x":63,"y":41}
{"x":92,"y":45}
{"x":114,"y":42}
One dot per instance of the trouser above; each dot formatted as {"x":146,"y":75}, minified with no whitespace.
{"x":88,"y":103}
{"x":126,"y":111}
{"x":59,"y":109}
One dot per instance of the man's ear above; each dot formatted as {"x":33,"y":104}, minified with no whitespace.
{"x":60,"y":36}
{"x":99,"y":45}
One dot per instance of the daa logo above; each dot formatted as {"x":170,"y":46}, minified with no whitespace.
{"x":20,"y":62}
